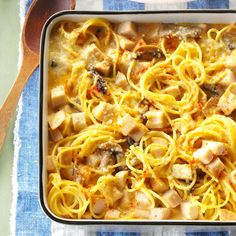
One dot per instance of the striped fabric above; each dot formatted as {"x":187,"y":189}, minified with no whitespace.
{"x":27,"y":217}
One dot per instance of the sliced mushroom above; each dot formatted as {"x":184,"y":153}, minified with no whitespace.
{"x":148,"y":52}
{"x":114,"y":149}
{"x":108,"y":153}
{"x":212,"y":90}
{"x":99,"y":81}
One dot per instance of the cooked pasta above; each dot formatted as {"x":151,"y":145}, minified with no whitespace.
{"x":141,"y":121}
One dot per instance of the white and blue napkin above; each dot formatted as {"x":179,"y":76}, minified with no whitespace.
{"x":27,"y":217}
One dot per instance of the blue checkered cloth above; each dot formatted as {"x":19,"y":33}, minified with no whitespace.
{"x":29,"y":218}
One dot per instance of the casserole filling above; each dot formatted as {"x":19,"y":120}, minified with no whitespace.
{"x":141,"y":121}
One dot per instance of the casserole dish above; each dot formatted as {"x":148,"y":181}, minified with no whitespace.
{"x":144,"y":17}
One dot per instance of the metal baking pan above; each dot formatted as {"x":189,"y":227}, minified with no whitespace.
{"x":189,"y":16}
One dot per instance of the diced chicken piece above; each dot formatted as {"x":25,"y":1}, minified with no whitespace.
{"x":56,"y":119}
{"x":126,"y":44}
{"x":156,"y":119}
{"x":231,"y":60}
{"x":233,"y":177}
{"x":122,"y":177}
{"x":93,"y":54}
{"x":226,"y":215}
{"x":112,"y":214}
{"x":66,"y":157}
{"x":124,"y":61}
{"x":139,"y":69}
{"x":78,"y":121}
{"x":50,"y":164}
{"x":104,"y":111}
{"x":104,"y":67}
{"x":204,"y":155}
{"x":138,"y":132}
{"x":160,"y":213}
{"x":58,"y":96}
{"x":149,"y":31}
{"x":143,"y":106}
{"x":95,"y":57}
{"x":172,"y":90}
{"x":141,"y":214}
{"x":93,"y":160}
{"x":68,"y":109}
{"x":216,"y":167}
{"x":69,"y":173}
{"x":157,"y":152}
{"x":121,"y":80}
{"x":162,"y":146}
{"x":112,"y":53}
{"x":127,"y":29}
{"x":172,"y":198}
{"x":116,"y":194}
{"x":217,"y":148}
{"x":142,"y":200}
{"x":55,"y":135}
{"x":159,"y":140}
{"x":127,"y":123}
{"x":228,"y":79}
{"x":159,"y":185}
{"x":227,"y":102}
{"x":127,"y":200}
{"x":182,"y":171}
{"x":99,"y":206}
{"x":189,"y":210}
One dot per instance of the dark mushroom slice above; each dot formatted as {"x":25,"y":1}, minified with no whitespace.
{"x":99,"y":81}
{"x":106,"y":154}
{"x":113,"y":149}
{"x":212,"y":90}
{"x":148,"y":53}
